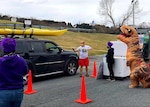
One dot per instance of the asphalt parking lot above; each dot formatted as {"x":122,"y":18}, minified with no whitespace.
{"x":61,"y":91}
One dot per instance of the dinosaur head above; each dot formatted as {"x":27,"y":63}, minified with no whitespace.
{"x":128,"y":31}
{"x":129,"y":34}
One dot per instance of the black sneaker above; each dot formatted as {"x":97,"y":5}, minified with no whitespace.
{"x":113,"y":80}
{"x":87,"y":75}
{"x":80,"y":75}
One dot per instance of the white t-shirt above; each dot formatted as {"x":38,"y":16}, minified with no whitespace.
{"x":83,"y":51}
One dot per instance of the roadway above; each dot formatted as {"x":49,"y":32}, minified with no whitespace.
{"x":61,"y":91}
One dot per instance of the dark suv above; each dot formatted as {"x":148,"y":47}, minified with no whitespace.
{"x":46,"y":57}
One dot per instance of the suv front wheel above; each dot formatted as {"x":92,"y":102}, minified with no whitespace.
{"x":71,"y":68}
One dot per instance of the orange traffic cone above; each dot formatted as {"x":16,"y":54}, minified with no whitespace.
{"x":83,"y":99}
{"x":29,"y":88}
{"x":94,"y":75}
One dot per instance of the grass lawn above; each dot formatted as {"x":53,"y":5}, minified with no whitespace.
{"x":71,"y":40}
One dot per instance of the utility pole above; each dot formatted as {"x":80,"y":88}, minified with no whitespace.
{"x":133,"y":16}
{"x":133,"y":2}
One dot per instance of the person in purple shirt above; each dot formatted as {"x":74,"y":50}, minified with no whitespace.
{"x":12,"y":69}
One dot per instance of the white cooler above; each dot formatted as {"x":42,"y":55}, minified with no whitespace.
{"x":120,"y":68}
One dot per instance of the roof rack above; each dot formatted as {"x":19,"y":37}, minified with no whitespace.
{"x":18,"y":36}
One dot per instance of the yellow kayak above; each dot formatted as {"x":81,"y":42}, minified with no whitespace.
{"x":34,"y":31}
{"x":44,"y":32}
{"x":10,"y":31}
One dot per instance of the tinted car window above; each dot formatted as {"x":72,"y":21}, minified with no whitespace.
{"x":48,"y":45}
{"x":19,"y":48}
{"x":51,"y":48}
{"x":37,"y":47}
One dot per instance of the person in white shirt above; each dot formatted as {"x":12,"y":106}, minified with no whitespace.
{"x":83,"y":57}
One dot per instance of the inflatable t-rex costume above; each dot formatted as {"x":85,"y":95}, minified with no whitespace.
{"x":139,"y":71}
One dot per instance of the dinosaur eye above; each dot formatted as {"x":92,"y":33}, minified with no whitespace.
{"x":129,"y":30}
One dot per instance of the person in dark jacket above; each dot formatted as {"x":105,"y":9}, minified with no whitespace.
{"x":110,"y":60}
{"x":12,"y":69}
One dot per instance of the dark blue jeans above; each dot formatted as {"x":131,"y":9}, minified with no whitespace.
{"x":11,"y":98}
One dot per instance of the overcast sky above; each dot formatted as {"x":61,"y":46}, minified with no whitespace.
{"x":73,"y":11}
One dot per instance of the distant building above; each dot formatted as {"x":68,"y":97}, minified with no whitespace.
{"x":143,"y":34}
{"x":143,"y":30}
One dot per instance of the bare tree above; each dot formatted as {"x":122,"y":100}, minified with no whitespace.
{"x":106,"y":10}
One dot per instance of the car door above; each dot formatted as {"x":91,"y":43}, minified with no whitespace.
{"x":56,"y":62}
{"x":39,"y":57}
